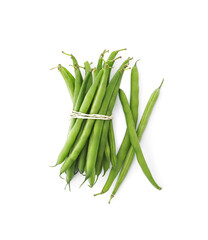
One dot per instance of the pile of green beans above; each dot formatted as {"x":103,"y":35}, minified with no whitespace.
{"x":90,"y":147}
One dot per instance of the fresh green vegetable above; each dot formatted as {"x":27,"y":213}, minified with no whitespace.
{"x":90,"y":145}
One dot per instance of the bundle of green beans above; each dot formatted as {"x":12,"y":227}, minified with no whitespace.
{"x":90,"y":146}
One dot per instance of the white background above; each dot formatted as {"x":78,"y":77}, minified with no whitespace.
{"x":170,"y":39}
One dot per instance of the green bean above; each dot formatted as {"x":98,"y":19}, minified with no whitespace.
{"x":134,"y":96}
{"x":69,"y":80}
{"x":88,"y":69}
{"x":112,"y":145}
{"x":107,"y":151}
{"x":134,"y":139}
{"x":70,"y":174}
{"x":140,"y":130}
{"x":106,"y":164}
{"x":78,"y":76}
{"x":84,"y":108}
{"x":97,"y":130}
{"x":82,"y":158}
{"x":100,"y":63}
{"x":92,"y":179}
{"x":90,"y":122}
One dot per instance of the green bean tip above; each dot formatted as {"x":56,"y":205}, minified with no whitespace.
{"x":67,"y":54}
{"x":96,"y":194}
{"x":54,"y":165}
{"x":136,"y":61}
{"x":61,"y":176}
{"x":110,"y":198}
{"x":53,"y":68}
{"x":83,"y":182}
{"x":161,"y":83}
{"x":123,"y":49}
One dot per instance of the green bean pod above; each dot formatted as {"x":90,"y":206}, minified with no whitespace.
{"x":107,"y":151}
{"x":134,"y":139}
{"x":88,"y":69}
{"x":92,"y":179}
{"x":70,"y":174}
{"x":134,"y":95}
{"x":78,"y":78}
{"x":100,"y":63}
{"x":142,"y":125}
{"x":84,"y":109}
{"x":112,"y":145}
{"x":106,"y":164}
{"x":82,"y":158}
{"x":69,"y":80}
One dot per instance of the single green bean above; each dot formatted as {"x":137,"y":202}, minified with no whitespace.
{"x":92,"y":179}
{"x":140,"y":130}
{"x":88,"y":69}
{"x":78,"y":77}
{"x":107,"y":151}
{"x":100,"y":63}
{"x":134,"y":139}
{"x":69,"y":80}
{"x":134,"y":95}
{"x":84,"y":109}
{"x":82,"y":158}
{"x":106,"y":164}
{"x":112,"y":145}
{"x":70,"y":174}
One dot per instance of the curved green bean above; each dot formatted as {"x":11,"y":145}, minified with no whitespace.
{"x":69,"y":80}
{"x":134,"y":139}
{"x":142,"y":125}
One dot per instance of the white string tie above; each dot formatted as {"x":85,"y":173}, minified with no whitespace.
{"x":81,"y":115}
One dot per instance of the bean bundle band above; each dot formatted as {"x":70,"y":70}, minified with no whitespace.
{"x":90,"y":146}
